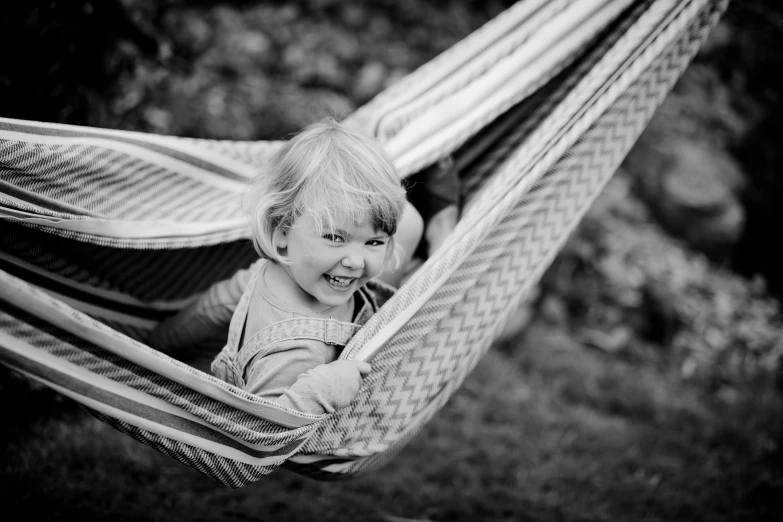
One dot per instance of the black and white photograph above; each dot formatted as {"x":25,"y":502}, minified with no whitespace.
{"x":391,"y":260}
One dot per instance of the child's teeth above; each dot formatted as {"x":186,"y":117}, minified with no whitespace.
{"x":340,"y":280}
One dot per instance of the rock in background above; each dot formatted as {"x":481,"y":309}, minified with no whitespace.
{"x":694,"y":190}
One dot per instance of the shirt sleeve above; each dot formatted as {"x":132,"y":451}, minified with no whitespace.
{"x":203,"y":324}
{"x":294,"y":375}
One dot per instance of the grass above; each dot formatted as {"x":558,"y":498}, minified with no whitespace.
{"x":544,"y":429}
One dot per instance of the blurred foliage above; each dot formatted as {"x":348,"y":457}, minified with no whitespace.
{"x":749,"y":55}
{"x":749,"y":60}
{"x":62,"y":60}
{"x":233,"y":70}
{"x":624,"y":286}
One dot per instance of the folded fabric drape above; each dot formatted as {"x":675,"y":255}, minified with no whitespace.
{"x":104,"y":233}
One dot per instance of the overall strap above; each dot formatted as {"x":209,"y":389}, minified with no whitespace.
{"x":223,"y":366}
{"x":329,"y":331}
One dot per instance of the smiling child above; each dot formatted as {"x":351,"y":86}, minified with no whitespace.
{"x":329,"y":218}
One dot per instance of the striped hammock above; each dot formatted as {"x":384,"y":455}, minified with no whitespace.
{"x":104,"y":233}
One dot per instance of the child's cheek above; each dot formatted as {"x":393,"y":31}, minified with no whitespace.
{"x":378,"y":263}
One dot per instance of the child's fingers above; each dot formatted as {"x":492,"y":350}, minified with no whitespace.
{"x":364,"y":368}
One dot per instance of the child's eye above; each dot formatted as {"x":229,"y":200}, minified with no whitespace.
{"x":376,"y":242}
{"x":336,"y":238}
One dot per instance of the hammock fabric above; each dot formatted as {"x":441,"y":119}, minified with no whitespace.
{"x":538,"y":108}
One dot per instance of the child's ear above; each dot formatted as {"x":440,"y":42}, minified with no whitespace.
{"x":393,"y":255}
{"x":281,"y":238}
{"x":281,"y":242}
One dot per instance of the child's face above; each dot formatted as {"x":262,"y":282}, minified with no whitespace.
{"x":329,"y":267}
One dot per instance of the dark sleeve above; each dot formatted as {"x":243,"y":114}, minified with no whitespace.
{"x":203,"y":324}
{"x":434,"y":188}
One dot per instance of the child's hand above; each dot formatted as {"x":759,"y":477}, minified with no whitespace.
{"x":341,"y":380}
{"x":327,"y":387}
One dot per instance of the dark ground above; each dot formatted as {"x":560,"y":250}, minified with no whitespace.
{"x":642,"y":389}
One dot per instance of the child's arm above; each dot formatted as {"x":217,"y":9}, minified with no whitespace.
{"x":435,"y":192}
{"x":406,"y":240}
{"x":294,"y":375}
{"x":203,"y":324}
{"x":327,"y":387}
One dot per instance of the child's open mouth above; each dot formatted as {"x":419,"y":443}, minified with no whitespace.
{"x":339,"y":282}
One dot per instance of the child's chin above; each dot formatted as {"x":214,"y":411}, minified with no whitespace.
{"x":335,"y":300}
{"x":331,"y":298}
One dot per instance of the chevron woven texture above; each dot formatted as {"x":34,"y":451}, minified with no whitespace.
{"x":213,"y":424}
{"x":443,"y":76}
{"x":526,"y":193}
{"x":430,"y":357}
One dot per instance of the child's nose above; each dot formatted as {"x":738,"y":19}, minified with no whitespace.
{"x":353,"y":261}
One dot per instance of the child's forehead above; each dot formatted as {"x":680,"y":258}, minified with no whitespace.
{"x":339,"y":219}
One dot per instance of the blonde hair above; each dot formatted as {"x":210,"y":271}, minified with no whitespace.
{"x":327,"y":166}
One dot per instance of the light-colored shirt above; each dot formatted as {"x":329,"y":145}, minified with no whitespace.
{"x":274,"y":348}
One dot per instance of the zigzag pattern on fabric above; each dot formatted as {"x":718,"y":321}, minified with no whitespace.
{"x":495,"y":280}
{"x":526,"y":192}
